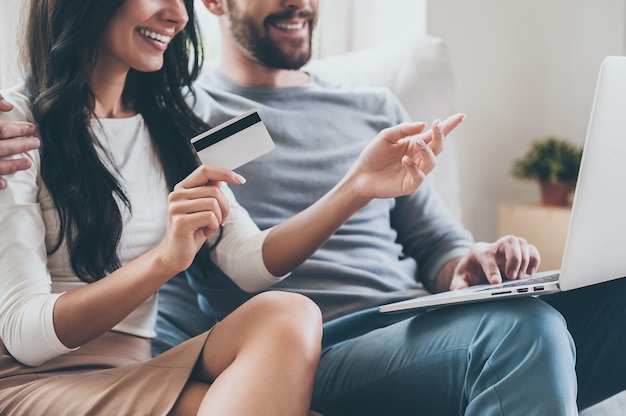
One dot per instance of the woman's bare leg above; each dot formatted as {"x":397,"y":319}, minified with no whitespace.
{"x":260,"y":360}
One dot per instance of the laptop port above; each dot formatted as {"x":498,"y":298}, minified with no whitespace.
{"x":522,"y":290}
{"x":538,"y":288}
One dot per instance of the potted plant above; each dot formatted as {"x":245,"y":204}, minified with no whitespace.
{"x":554,"y":162}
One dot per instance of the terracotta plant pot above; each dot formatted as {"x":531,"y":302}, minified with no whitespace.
{"x":555,"y":193}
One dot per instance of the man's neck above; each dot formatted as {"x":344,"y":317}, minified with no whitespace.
{"x":250,"y":72}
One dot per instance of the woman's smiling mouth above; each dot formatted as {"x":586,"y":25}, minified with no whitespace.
{"x":158,"y":37}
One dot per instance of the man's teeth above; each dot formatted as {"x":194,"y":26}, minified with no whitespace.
{"x":290,"y":26}
{"x":155,"y":36}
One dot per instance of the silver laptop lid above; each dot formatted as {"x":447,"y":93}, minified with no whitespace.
{"x":595,"y":250}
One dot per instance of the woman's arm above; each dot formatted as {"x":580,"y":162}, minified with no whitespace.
{"x":392,"y":165}
{"x":36,"y":325}
{"x":395,"y":163}
{"x":26,"y":302}
{"x":196,"y":210}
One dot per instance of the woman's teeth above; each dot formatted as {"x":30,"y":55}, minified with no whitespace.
{"x":155,"y":36}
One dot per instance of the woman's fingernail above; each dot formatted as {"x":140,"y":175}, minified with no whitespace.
{"x":240,"y":178}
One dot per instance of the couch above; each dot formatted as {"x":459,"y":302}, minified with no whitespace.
{"x":418,"y":71}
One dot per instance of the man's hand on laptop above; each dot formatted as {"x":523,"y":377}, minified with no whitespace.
{"x":15,"y":137}
{"x":510,"y":257}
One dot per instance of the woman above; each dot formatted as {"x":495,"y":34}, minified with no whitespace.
{"x":113,"y":206}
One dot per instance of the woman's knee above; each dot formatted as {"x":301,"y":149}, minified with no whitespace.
{"x":290,"y":316}
{"x":270,"y":324}
{"x":293,"y":306}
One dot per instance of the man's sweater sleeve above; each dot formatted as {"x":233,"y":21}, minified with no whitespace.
{"x":428,"y":232}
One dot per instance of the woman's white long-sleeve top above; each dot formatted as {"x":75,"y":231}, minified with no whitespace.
{"x":31,"y":280}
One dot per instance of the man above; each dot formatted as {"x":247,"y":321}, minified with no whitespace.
{"x":505,"y":357}
{"x":19,"y":139}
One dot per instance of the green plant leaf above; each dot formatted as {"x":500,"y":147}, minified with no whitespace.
{"x":552,"y":159}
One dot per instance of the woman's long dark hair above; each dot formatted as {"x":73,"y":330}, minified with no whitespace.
{"x":60,"y":47}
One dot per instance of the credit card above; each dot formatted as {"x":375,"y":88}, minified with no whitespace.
{"x":235,"y":142}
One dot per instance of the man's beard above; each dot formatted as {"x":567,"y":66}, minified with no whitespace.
{"x":256,"y":40}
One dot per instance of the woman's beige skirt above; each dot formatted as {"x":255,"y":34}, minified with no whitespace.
{"x":113,"y":376}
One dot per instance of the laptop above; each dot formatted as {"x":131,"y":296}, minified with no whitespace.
{"x":595,"y":248}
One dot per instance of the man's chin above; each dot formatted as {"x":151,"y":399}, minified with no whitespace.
{"x":291,"y":60}
{"x":279,"y":63}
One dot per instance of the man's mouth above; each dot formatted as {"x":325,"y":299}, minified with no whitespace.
{"x":289,"y":26}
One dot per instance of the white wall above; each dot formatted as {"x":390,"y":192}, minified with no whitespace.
{"x":524,"y":69}
{"x":9,"y":23}
{"x":356,"y":24}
